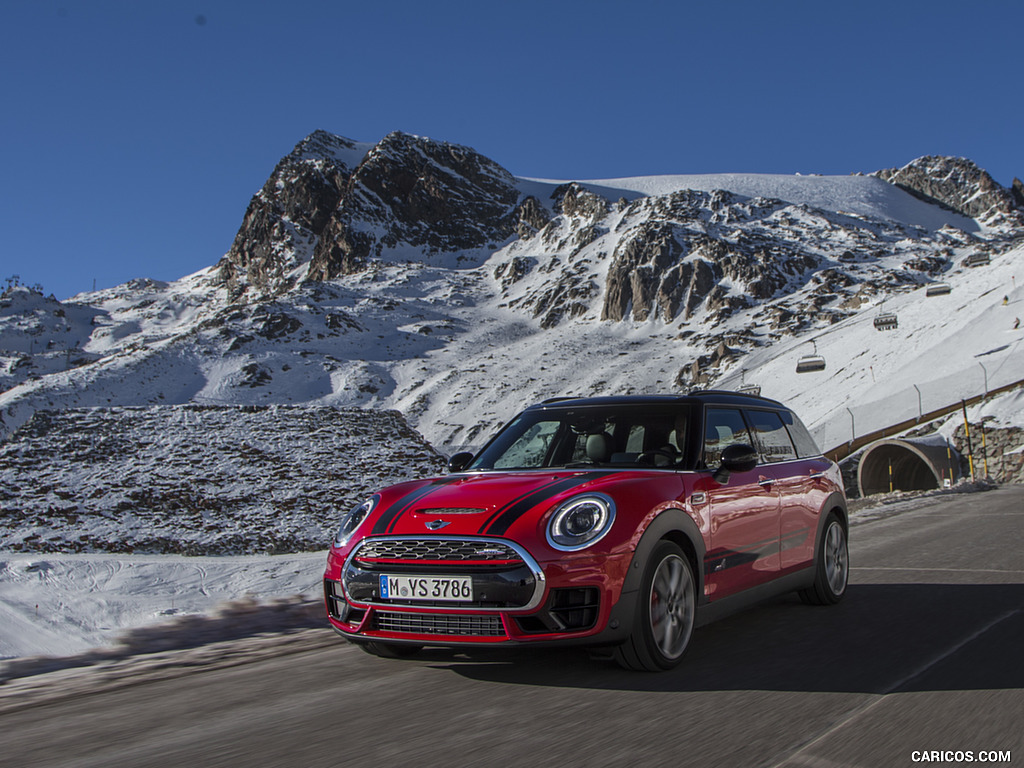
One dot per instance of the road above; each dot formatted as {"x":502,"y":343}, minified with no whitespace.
{"x":923,"y":655}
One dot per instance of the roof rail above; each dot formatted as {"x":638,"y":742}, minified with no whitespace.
{"x":739,"y":392}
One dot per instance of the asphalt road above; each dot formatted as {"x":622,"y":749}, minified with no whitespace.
{"x":925,"y":654}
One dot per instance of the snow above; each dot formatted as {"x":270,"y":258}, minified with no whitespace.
{"x":945,"y":346}
{"x":860,"y":195}
{"x":58,"y":605}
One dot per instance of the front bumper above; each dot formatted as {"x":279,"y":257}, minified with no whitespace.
{"x":516,"y":600}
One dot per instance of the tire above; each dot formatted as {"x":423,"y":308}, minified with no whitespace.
{"x":391,"y":650}
{"x":833,"y":566}
{"x":665,"y":612}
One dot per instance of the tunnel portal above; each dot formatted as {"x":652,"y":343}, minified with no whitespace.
{"x":917,"y":464}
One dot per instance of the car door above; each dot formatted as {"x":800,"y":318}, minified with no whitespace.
{"x":793,"y":483}
{"x":744,"y":513}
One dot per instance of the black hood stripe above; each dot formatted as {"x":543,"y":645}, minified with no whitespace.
{"x":516,"y":509}
{"x":497,"y":513}
{"x":389,"y":517}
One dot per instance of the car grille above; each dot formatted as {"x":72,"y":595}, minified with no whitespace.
{"x":437,"y":550}
{"x":439,"y":624}
{"x":505,"y":577}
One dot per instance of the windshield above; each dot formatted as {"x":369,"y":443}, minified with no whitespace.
{"x":627,"y":436}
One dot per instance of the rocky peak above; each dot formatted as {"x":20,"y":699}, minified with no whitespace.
{"x":575,"y":200}
{"x":412,"y":191}
{"x":286,"y":217}
{"x":960,"y":185}
{"x":1018,"y":192}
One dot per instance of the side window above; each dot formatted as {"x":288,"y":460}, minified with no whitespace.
{"x":773,"y":441}
{"x":530,"y":449}
{"x":805,"y":445}
{"x":722,"y":427}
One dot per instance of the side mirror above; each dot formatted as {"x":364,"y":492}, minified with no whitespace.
{"x":738,"y":457}
{"x":459,"y":461}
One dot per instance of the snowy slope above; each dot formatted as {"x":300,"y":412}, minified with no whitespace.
{"x":860,"y":195}
{"x":949,"y":346}
{"x":59,"y":605}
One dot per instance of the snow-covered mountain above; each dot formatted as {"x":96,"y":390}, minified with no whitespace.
{"x":418,"y":275}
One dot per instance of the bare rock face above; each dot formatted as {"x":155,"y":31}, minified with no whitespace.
{"x":530,"y":217}
{"x":960,"y":185}
{"x":1018,"y":192}
{"x":646,"y":270}
{"x":412,"y":191}
{"x":674,"y":267}
{"x":286,"y":218}
{"x":578,"y":201}
{"x":332,"y":205}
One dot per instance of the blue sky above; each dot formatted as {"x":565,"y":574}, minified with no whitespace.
{"x":134,"y":133}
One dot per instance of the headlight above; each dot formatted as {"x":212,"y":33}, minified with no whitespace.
{"x":581,"y":521}
{"x":351,"y":521}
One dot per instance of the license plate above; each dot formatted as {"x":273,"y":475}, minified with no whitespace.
{"x":449,"y":588}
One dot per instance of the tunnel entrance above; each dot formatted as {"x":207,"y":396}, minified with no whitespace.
{"x":917,"y":464}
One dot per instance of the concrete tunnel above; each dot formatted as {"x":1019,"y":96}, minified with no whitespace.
{"x":917,"y":464}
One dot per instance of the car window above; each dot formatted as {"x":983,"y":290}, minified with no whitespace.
{"x":772,"y":439}
{"x":722,"y":427}
{"x":530,"y":448}
{"x":805,"y":445}
{"x":613,"y":435}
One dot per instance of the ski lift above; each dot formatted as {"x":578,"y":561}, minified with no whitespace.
{"x":977,"y":260}
{"x":887,"y":321}
{"x":748,"y":389}
{"x":937,"y":289}
{"x":811,"y":363}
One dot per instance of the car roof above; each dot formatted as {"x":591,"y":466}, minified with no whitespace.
{"x":705,"y":396}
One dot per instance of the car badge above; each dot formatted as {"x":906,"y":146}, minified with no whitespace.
{"x":436,"y":525}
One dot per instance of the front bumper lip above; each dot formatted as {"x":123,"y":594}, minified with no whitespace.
{"x":349,"y":571}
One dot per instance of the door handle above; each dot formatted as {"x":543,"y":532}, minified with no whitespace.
{"x":765,"y":481}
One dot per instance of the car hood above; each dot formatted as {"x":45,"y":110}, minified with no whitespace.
{"x":475,"y":504}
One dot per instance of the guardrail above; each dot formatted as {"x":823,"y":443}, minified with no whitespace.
{"x":840,"y":452}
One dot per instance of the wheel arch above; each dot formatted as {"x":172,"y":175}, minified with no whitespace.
{"x":836,"y":502}
{"x":676,"y":526}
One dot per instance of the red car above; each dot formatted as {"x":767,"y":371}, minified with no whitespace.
{"x":615,"y":522}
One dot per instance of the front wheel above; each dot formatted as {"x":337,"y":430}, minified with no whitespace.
{"x":665,"y":613}
{"x":833,"y":566}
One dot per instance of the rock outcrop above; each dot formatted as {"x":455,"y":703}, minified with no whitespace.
{"x":960,"y":185}
{"x":285,"y":219}
{"x":416,"y":193}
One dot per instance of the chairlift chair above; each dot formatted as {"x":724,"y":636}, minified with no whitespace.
{"x":811,"y":363}
{"x":748,"y":389}
{"x":887,"y":321}
{"x":937,"y":289}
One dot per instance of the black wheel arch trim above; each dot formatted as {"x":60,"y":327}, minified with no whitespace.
{"x":671,"y":524}
{"x":835,"y":500}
